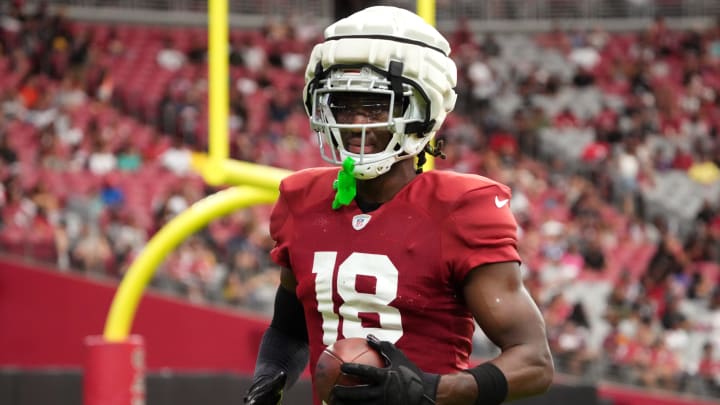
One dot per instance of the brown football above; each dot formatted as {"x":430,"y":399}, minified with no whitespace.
{"x":327,"y":370}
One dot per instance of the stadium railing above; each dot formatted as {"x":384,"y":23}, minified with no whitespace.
{"x":483,"y":16}
{"x":487,"y":10}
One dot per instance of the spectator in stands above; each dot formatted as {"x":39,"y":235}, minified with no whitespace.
{"x":188,"y":116}
{"x":228,"y":234}
{"x":92,"y":253}
{"x":701,"y":286}
{"x":669,"y":257}
{"x":711,"y":322}
{"x":168,"y":111}
{"x":62,"y":245}
{"x":632,"y":357}
{"x":169,"y":57}
{"x":556,"y":311}
{"x":102,"y":159}
{"x":79,"y":48}
{"x":52,"y":154}
{"x":66,"y":129}
{"x":177,"y":157}
{"x":113,"y":45}
{"x":250,"y":284}
{"x":663,"y":368}
{"x":204,"y":271}
{"x":489,"y":45}
{"x":104,"y":88}
{"x":170,"y":205}
{"x":40,"y":237}
{"x":570,"y":348}
{"x":8,"y":155}
{"x":628,"y":168}
{"x":612,"y":343}
{"x":281,"y":104}
{"x":571,"y":344}
{"x":621,"y":296}
{"x":593,"y":252}
{"x":111,"y":195}
{"x":706,"y":213}
{"x":192,"y":269}
{"x":71,"y":95}
{"x":252,"y":51}
{"x":11,"y":23}
{"x":561,"y":264}
{"x":127,"y":238}
{"x":700,"y":245}
{"x":709,"y":370}
{"x":19,"y":209}
{"x":29,"y":92}
{"x":484,"y":84}
{"x":129,"y":158}
{"x":41,"y":112}
{"x":704,"y":170}
{"x":46,"y":200}
{"x":197,"y":51}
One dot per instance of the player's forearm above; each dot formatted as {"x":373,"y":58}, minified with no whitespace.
{"x":280,"y":352}
{"x":528,"y":371}
{"x":284,"y":346}
{"x":456,"y":389}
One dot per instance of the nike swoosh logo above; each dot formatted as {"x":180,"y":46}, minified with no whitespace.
{"x":500,"y":203}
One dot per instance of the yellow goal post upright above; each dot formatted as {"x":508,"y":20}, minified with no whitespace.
{"x":426,"y":10}
{"x":114,"y":363}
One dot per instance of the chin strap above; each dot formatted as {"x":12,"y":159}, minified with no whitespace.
{"x":345,"y":185}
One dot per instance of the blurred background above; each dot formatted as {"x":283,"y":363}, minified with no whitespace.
{"x":601,"y":115}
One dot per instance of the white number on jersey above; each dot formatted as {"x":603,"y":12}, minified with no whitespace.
{"x":357,"y":264}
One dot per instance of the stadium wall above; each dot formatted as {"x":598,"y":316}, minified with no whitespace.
{"x":46,"y":315}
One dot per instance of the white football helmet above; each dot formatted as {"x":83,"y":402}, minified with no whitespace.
{"x":391,"y":54}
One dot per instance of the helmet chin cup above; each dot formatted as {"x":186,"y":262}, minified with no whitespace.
{"x":371,"y":170}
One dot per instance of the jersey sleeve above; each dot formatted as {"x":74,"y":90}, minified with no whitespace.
{"x":481,"y":230}
{"x":298,"y":191}
{"x":280,"y":228}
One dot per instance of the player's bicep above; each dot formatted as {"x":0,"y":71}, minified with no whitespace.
{"x":509,"y":317}
{"x":502,"y":307}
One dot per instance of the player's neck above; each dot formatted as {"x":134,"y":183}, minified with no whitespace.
{"x":383,"y":188}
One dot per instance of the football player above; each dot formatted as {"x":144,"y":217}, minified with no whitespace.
{"x":379,"y":249}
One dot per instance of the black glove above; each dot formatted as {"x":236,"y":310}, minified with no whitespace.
{"x":400,"y":382}
{"x":266,"y":390}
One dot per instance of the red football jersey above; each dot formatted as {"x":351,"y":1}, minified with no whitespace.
{"x":396,"y":272}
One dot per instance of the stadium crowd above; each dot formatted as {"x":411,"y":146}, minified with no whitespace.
{"x":99,"y":124}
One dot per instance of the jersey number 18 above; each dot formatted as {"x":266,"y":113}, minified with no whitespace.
{"x":354,"y":302}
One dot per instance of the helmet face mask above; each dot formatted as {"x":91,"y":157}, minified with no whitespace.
{"x":360,"y":104}
{"x":378,"y":88}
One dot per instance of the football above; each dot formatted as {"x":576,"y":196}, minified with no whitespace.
{"x":327,"y":370}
